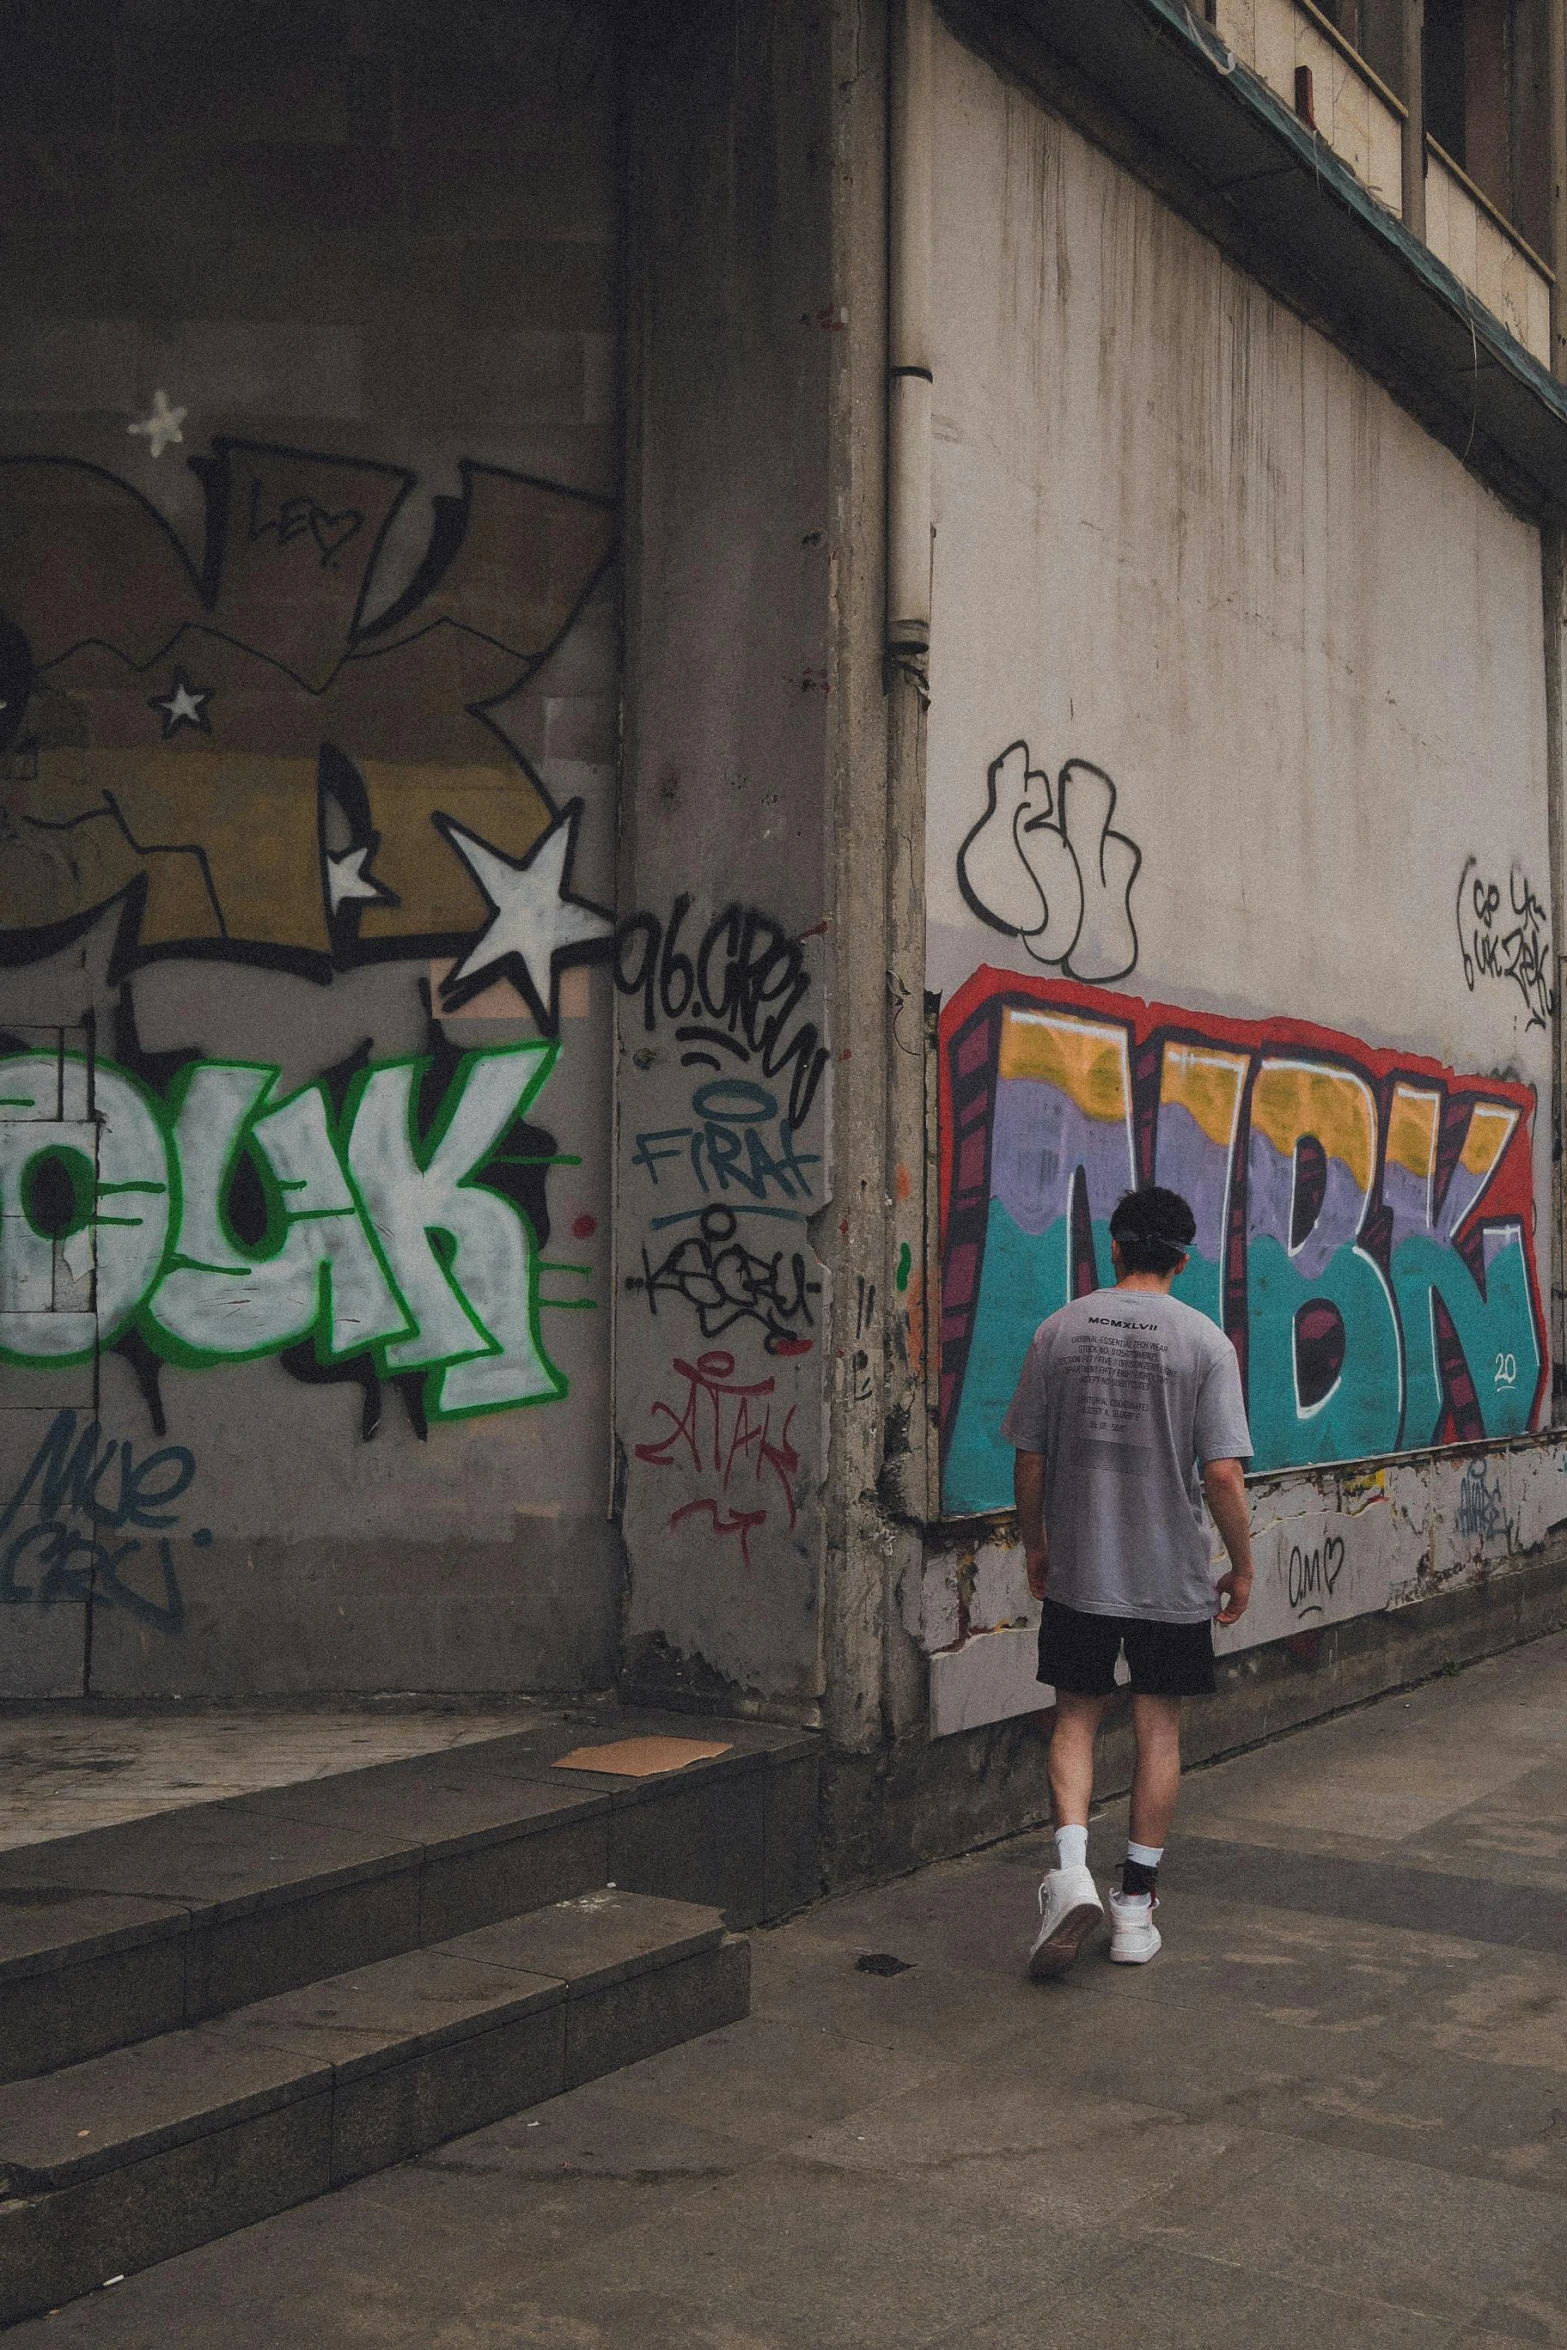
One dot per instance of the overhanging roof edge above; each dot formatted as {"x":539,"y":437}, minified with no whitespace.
{"x":1143,"y":58}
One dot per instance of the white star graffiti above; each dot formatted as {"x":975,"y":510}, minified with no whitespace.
{"x":537,"y":924}
{"x":346,"y":878}
{"x":183,"y":705}
{"x":162,"y":426}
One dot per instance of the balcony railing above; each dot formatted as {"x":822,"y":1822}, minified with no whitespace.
{"x":1298,"y":51}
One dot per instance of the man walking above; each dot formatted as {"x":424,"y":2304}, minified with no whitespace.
{"x":1127,"y":1398}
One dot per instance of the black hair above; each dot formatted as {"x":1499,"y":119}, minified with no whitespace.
{"x":1154,"y":1227}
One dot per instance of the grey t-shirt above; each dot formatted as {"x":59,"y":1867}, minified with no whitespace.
{"x":1128,"y":1394}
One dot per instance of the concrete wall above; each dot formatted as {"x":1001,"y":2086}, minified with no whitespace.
{"x":308,"y":510}
{"x":1237,"y":837}
{"x":1331,"y":1545}
{"x":723,"y":1077}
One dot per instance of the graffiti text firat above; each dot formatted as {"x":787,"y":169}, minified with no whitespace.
{"x":1364,"y":1219}
{"x":378,"y":1239}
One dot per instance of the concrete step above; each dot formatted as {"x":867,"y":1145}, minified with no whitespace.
{"x":108,"y":1937}
{"x":110,"y":2165}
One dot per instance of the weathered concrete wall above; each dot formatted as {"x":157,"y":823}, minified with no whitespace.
{"x":309,"y":424}
{"x":928,"y":1797}
{"x":1330,"y":1545}
{"x":1237,"y":841}
{"x":723,"y":1083}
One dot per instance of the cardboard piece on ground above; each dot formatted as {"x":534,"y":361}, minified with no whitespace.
{"x":641,"y":1758}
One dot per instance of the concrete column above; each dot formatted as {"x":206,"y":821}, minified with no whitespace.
{"x":1414,"y":25}
{"x":737,"y":826}
{"x":873,"y":1241}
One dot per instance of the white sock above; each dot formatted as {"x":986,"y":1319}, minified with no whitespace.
{"x":1072,"y":1848}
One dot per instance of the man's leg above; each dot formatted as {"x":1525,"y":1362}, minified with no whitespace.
{"x":1156,"y":1780}
{"x":1072,"y":1756}
{"x":1069,"y":1905}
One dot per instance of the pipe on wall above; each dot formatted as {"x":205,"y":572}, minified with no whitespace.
{"x":908,"y":332}
{"x":1414,"y":95}
{"x":1556,"y":71}
{"x":1553,"y":541}
{"x":1553,"y":550}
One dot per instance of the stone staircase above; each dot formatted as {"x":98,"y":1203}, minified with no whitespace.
{"x":216,"y":2012}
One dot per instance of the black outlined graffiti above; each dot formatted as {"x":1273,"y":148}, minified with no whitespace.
{"x":183,"y":705}
{"x":1054,"y":874}
{"x":69,"y":1503}
{"x":724,"y":1282}
{"x":250,"y":761}
{"x":722,"y":1029}
{"x":861,"y":1388}
{"x":1482,"y":1512}
{"x":1505,"y":936}
{"x":294,"y":516}
{"x":538,"y":923}
{"x":1313,"y":1573}
{"x":733,"y":995}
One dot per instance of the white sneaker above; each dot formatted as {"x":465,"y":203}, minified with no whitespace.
{"x":1134,"y":1938}
{"x":1070,"y":1910}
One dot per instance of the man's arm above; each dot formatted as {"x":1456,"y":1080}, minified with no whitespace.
{"x":1028,"y":1486}
{"x":1224,"y":1484}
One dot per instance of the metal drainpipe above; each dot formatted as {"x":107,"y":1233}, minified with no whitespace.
{"x":1554,"y":548}
{"x":1552,"y":565}
{"x":908,"y":335}
{"x":1414,"y":96}
{"x":1556,"y":81}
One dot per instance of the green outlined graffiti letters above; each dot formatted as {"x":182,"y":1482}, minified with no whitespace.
{"x":463,"y":1258}
{"x":316,"y":1270}
{"x":73,"y":1279}
{"x":233,"y":1222}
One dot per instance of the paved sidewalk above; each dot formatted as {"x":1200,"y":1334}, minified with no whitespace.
{"x":1333,"y":2111}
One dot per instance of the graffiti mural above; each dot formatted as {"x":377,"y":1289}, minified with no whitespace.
{"x":1503,"y":933}
{"x":249,"y":760}
{"x":58,"y":1529}
{"x":1364,"y":1219}
{"x":722,"y":1429}
{"x":735,"y":1004}
{"x":1054,"y":872}
{"x":721,"y":1177}
{"x":392,"y":1216}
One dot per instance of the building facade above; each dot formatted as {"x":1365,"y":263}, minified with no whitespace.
{"x":676,"y":685}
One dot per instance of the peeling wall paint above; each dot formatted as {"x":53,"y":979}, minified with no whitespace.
{"x":1330,"y":1544}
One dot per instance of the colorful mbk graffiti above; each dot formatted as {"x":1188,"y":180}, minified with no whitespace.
{"x":394,"y":1215}
{"x":1364,"y":1219}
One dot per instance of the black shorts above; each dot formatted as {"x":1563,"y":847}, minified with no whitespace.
{"x":1077,"y":1652}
